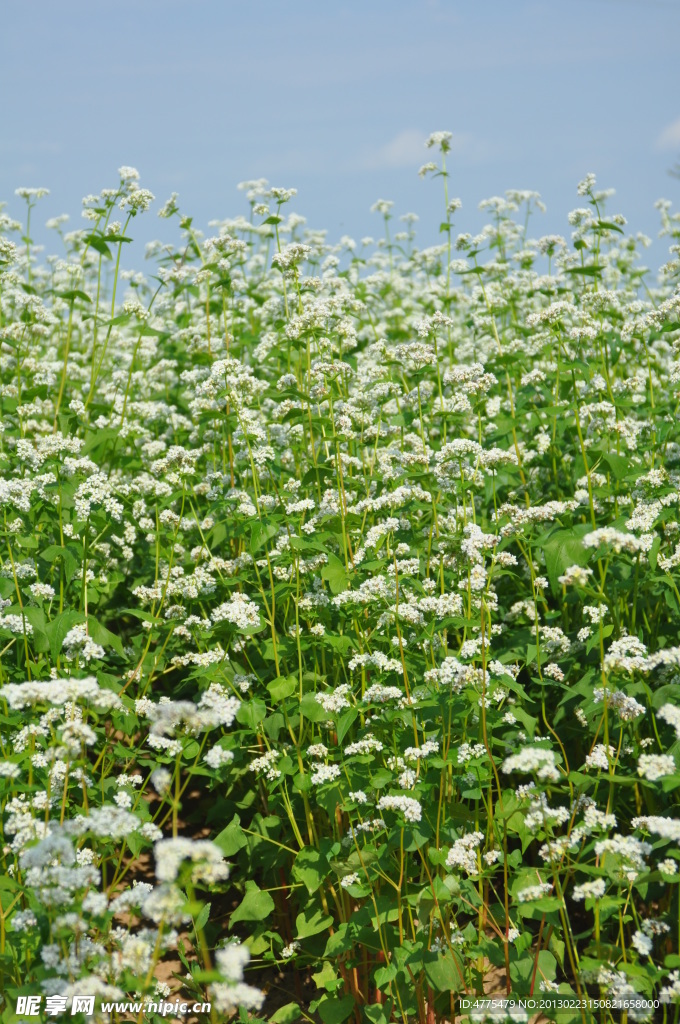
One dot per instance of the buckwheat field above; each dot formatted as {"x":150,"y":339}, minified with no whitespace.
{"x":339,"y":613}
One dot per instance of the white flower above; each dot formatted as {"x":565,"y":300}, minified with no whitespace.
{"x":533,"y":759}
{"x":463,"y":853}
{"x":642,"y":943}
{"x":288,"y":951}
{"x":217,"y":757}
{"x":655,"y":766}
{"x":207,"y":860}
{"x":334,"y":701}
{"x":406,"y":805}
{"x":533,"y":892}
{"x":600,"y":756}
{"x":589,"y":890}
{"x":322,"y":773}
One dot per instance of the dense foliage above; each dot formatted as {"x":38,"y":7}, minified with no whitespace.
{"x":339,"y":613}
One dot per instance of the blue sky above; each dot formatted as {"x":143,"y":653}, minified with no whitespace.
{"x":336,"y":99}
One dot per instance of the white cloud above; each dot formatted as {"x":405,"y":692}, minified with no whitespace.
{"x":670,"y":136}
{"x":407,"y":149}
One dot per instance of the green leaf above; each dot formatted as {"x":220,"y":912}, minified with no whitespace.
{"x":70,"y":555}
{"x":98,"y":439}
{"x":310,"y":868}
{"x":327,"y":978}
{"x":202,"y":918}
{"x":608,"y":226}
{"x":251,"y":713}
{"x":589,"y":271}
{"x":334,"y":1011}
{"x":379,"y":1013}
{"x":654,"y":552}
{"x":619,"y":465}
{"x":342,"y":644}
{"x":36,"y":617}
{"x":101,"y":635}
{"x":231,"y":839}
{"x":282,"y":688}
{"x":74,"y":293}
{"x":311,"y":709}
{"x":286,"y":1014}
{"x":443,"y":973}
{"x":562,"y":549}
{"x":256,"y":905}
{"x":98,"y":243}
{"x":335,"y":574}
{"x":311,"y":921}
{"x":260,"y":534}
{"x":57,"y":629}
{"x":345,"y":722}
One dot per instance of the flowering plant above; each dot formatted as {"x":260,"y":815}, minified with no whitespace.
{"x":339,"y":613}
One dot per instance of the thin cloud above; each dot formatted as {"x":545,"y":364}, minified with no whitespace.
{"x":407,"y":149}
{"x":670,"y":136}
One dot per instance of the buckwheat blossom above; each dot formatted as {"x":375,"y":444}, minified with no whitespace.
{"x":655,"y":766}
{"x":322,"y":773}
{"x":59,"y":692}
{"x":533,"y":759}
{"x":617,"y":985}
{"x":667,"y":828}
{"x":641,"y":943}
{"x":364,"y":746}
{"x":631,"y":853}
{"x":206,"y":858}
{"x":618,"y":541}
{"x":78,"y":644}
{"x":334,"y":701}
{"x":333,"y":470}
{"x":627,"y":654}
{"x":575,"y":575}
{"x":600,"y":757}
{"x":467,"y":751}
{"x":241,"y":611}
{"x":589,"y":890}
{"x":217,"y":757}
{"x":266,"y":764}
{"x":215,"y":708}
{"x":290,"y":950}
{"x":166,"y":904}
{"x":670,"y":993}
{"x":354,"y":831}
{"x":533,"y":892}
{"x":463,"y":853}
{"x":669,"y":713}
{"x":317,"y":750}
{"x":410,"y":808}
{"x":423,"y":751}
{"x":160,"y":780}
{"x":627,"y":708}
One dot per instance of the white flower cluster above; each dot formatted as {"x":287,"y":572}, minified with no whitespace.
{"x":463,"y":853}
{"x":206,"y":859}
{"x":655,"y":766}
{"x":60,"y":692}
{"x":533,"y":759}
{"x":406,"y":805}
